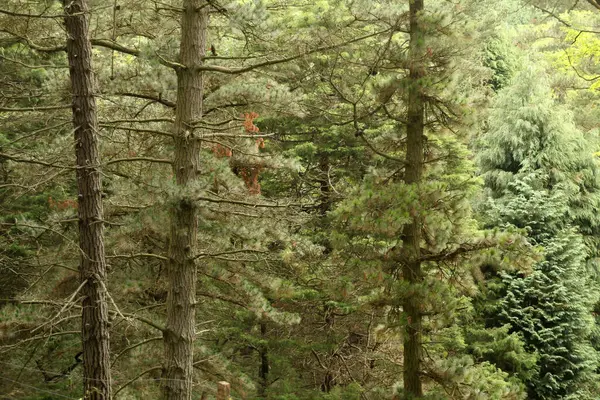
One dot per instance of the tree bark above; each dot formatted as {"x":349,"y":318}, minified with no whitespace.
{"x":263,"y":369}
{"x":325,"y":201}
{"x":179,"y":335}
{"x":94,"y":327}
{"x":411,"y":268}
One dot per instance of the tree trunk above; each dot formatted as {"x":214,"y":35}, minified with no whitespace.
{"x":177,"y":376}
{"x":94,"y":327}
{"x":325,"y":201}
{"x":263,"y":369}
{"x":411,"y":268}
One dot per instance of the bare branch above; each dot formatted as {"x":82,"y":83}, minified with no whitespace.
{"x":48,"y":66}
{"x":138,"y":376}
{"x":137,"y":255}
{"x":37,"y":162}
{"x":149,"y":159}
{"x":135,"y":345}
{"x":137,"y":121}
{"x":34,"y":109}
{"x":244,"y":203}
{"x":128,"y":128}
{"x":562,"y":21}
{"x":156,"y":99}
{"x":222,"y":298}
{"x":70,"y":302}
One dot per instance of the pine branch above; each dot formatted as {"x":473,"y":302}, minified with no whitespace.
{"x":208,"y":111}
{"x":132,"y":159}
{"x":233,"y":135}
{"x":27,"y":135}
{"x":463,"y":249}
{"x":68,"y":304}
{"x":34,"y":109}
{"x":24,"y":40}
{"x":64,"y":373}
{"x":360,"y":134}
{"x":46,"y":66}
{"x":138,"y":376}
{"x":128,"y":128}
{"x":45,"y":16}
{"x":209,"y":255}
{"x":234,"y":71}
{"x":244,"y":203}
{"x":137,"y":121}
{"x":141,"y":319}
{"x":4,"y":349}
{"x":222,"y":298}
{"x":136,"y":255}
{"x":135,"y":345}
{"x":204,"y":124}
{"x":40,"y":15}
{"x":156,"y":99}
{"x":114,"y":312}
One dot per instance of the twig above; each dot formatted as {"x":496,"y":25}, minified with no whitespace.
{"x":133,"y":346}
{"x":129,"y":382}
{"x":69,"y":302}
{"x":33,"y":109}
{"x":150,"y":255}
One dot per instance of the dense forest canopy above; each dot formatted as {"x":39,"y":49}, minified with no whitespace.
{"x":307,"y":199}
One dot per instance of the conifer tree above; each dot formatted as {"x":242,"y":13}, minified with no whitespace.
{"x":541,"y":178}
{"x":371,"y":220}
{"x":413,"y":174}
{"x":92,"y":268}
{"x":179,"y":334}
{"x":89,"y":250}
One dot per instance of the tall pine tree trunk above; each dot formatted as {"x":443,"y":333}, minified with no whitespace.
{"x":411,"y":268}
{"x":94,"y":327}
{"x":181,"y":269}
{"x":263,"y":369}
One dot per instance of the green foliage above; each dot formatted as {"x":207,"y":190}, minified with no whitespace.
{"x":500,"y":56}
{"x":541,"y":179}
{"x":300,"y":241}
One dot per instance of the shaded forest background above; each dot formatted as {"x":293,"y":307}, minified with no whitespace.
{"x":328,"y":199}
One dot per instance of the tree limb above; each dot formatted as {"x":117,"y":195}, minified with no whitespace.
{"x":156,"y":99}
{"x":138,"y":376}
{"x":33,"y":109}
{"x":233,"y":71}
{"x":150,"y":159}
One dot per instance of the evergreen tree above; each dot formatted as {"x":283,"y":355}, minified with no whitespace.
{"x":541,"y":178}
{"x":92,"y":269}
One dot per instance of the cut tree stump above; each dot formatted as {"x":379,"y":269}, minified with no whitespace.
{"x":223,"y":390}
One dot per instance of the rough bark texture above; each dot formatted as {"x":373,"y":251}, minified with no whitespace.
{"x":177,"y":376}
{"x":411,"y":268}
{"x":94,"y":327}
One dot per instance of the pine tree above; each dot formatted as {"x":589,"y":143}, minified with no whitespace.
{"x":92,"y":269}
